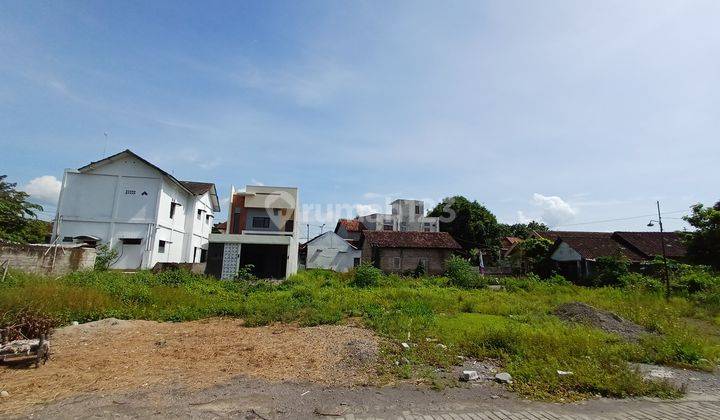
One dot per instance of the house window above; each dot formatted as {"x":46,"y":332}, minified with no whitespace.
{"x":417,"y":209}
{"x":131,"y":241}
{"x":161,"y":247}
{"x":387,"y":227}
{"x":207,"y":219}
{"x":68,"y":239}
{"x":236,"y":223}
{"x":397,"y":263}
{"x":261,"y":222}
{"x":426,"y":229}
{"x":356,"y":262}
{"x":173,"y":205}
{"x":423,"y":262}
{"x":199,"y":214}
{"x":203,"y":255}
{"x":276,"y":212}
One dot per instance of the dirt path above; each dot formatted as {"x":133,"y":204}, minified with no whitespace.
{"x":114,"y":356}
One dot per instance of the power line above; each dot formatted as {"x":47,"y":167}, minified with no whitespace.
{"x":618,"y":219}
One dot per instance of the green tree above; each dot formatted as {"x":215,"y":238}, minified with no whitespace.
{"x":535,"y":253}
{"x":18,"y":217}
{"x":610,"y":270}
{"x":523,"y":230}
{"x":703,"y":245}
{"x":469,"y":222}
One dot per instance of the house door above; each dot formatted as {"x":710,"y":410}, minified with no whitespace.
{"x":130,"y":254}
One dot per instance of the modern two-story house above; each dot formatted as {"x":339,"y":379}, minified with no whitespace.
{"x":141,"y":211}
{"x":261,"y":232}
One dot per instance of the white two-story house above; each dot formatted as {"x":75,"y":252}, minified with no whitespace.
{"x":138,"y":209}
{"x":261,"y":232}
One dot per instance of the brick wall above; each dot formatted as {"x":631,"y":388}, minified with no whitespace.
{"x":37,"y":259}
{"x":409,"y":258}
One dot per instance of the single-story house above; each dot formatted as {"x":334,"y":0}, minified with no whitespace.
{"x":399,"y":252}
{"x":576,"y":253}
{"x":329,"y":251}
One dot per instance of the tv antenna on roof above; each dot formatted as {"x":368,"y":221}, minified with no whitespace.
{"x":106,"y":143}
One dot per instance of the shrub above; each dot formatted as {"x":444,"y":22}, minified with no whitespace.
{"x":641,"y":283}
{"x":177,"y":277}
{"x":366,"y":275}
{"x":26,"y":323}
{"x":696,"y":279}
{"x":558,"y":280}
{"x":246,"y":273}
{"x":609,"y":270}
{"x":420,"y":270}
{"x":461,"y":273}
{"x":106,"y":256}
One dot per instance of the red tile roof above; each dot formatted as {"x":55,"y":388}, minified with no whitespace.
{"x":649,"y":244}
{"x":351,"y":225}
{"x":591,"y":245}
{"x":637,"y":246}
{"x":395,"y":239}
{"x":553,"y":235}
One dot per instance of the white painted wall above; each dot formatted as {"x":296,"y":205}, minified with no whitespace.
{"x":332,"y":252}
{"x":565,"y":253}
{"x":126,"y":198}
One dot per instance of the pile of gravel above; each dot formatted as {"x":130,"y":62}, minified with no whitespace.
{"x":607,"y":321}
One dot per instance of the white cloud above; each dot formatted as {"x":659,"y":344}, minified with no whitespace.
{"x":523,"y":218}
{"x":256,"y":182}
{"x":554,"y":210}
{"x":45,"y":189}
{"x":365,"y":209}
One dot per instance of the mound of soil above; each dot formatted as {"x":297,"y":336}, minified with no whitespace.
{"x":598,"y":318}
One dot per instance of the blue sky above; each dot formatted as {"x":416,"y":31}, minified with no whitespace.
{"x":562,"y":111}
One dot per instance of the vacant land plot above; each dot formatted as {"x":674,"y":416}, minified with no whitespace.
{"x":114,"y":355}
{"x":517,"y":327}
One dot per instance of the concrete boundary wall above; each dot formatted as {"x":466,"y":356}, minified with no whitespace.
{"x":44,"y":259}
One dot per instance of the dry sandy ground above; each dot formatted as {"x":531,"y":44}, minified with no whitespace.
{"x":112,"y":356}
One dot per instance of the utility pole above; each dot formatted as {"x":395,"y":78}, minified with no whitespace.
{"x":666,"y":273}
{"x":308,"y":232}
{"x":665,"y":266}
{"x":106,"y":143}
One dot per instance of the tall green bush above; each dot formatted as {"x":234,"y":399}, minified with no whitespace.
{"x":461,"y":273}
{"x":366,"y":275}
